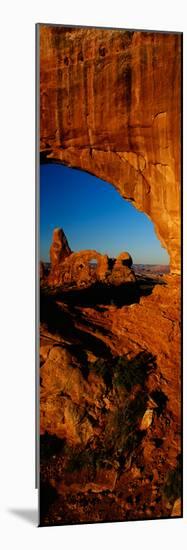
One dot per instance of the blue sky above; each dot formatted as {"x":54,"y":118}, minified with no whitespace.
{"x":93,"y":216}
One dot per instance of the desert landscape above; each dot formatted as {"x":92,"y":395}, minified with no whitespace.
{"x":110,"y":328}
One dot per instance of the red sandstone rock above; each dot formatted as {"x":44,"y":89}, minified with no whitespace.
{"x":100,"y":420}
{"x":110,"y":104}
{"x":60,"y":248}
{"x":84,"y":268}
{"x":124,"y":258}
{"x":104,"y":480}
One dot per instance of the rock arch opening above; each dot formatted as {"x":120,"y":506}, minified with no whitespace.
{"x":103,"y":234}
{"x":94,"y":216}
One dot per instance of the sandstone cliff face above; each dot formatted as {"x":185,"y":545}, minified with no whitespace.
{"x":110,"y":104}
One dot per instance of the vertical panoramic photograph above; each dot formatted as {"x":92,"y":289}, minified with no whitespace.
{"x":110,"y":403}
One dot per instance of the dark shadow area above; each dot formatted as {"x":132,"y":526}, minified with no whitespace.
{"x":30,"y":515}
{"x":61,"y":322}
{"x":160,"y":399}
{"x":103,"y":294}
{"x":48,"y":496}
{"x":50,"y":445}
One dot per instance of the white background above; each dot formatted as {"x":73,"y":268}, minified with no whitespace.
{"x":17,"y":167}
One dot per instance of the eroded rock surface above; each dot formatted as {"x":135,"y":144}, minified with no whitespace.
{"x":111,"y":105}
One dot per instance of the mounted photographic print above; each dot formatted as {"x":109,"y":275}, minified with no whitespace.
{"x":109,"y":141}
